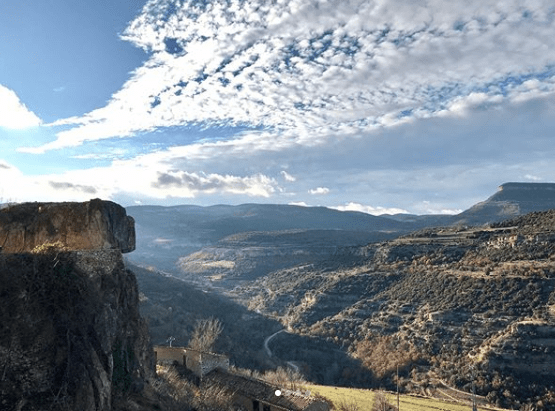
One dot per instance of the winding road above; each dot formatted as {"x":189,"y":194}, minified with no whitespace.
{"x":291,"y":364}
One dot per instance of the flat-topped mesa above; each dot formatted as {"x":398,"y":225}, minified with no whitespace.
{"x":92,"y":225}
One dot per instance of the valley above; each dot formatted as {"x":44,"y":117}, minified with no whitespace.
{"x":451,"y":306}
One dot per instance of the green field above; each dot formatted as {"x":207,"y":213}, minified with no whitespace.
{"x":365,"y":399}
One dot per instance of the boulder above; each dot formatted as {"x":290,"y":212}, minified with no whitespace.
{"x":92,"y":225}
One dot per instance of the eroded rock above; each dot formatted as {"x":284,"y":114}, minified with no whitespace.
{"x":71,"y":336}
{"x":92,"y":225}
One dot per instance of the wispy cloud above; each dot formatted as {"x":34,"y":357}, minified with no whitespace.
{"x":369,"y":209}
{"x":319,"y":191}
{"x":310,"y":70}
{"x":288,"y":177}
{"x":13,"y":113}
{"x":72,"y":187}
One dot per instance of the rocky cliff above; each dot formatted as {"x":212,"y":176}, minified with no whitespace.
{"x":92,"y":225}
{"x":510,"y":200}
{"x":71,"y":337}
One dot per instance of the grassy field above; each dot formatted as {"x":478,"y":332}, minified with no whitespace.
{"x":365,"y":399}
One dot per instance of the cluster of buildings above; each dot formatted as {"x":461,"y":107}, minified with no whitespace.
{"x":249,"y":393}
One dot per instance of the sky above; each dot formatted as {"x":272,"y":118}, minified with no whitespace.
{"x":379,"y":106}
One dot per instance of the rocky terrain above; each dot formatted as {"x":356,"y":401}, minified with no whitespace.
{"x":166,"y":234}
{"x":244,"y":257}
{"x":71,"y":336}
{"x":446,"y":305}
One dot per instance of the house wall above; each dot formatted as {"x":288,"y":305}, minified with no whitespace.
{"x":170,"y":354}
{"x":201,"y":363}
{"x":247,"y":404}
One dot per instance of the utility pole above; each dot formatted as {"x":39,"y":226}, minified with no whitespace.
{"x":474,"y":406}
{"x":398,"y":409}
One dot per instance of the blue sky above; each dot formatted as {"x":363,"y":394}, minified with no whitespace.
{"x":377,"y":106}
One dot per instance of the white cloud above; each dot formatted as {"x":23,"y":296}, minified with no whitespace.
{"x":299,"y":203}
{"x":427,"y":207}
{"x":13,"y":113}
{"x":369,"y":209}
{"x":319,"y":191}
{"x":185,"y":184}
{"x":312,"y":70}
{"x":288,"y":177}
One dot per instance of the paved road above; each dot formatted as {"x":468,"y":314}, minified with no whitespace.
{"x":269,"y":352}
{"x":267,"y":341}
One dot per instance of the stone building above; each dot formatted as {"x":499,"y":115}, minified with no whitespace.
{"x":249,"y":393}
{"x":163,"y":353}
{"x":256,"y":395}
{"x":202,"y":363}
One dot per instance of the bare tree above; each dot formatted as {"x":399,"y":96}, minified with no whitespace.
{"x":205,"y":334}
{"x":381,"y":403}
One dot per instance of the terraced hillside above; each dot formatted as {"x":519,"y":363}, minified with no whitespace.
{"x":448,"y":306}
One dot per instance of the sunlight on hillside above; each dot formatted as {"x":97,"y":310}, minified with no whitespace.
{"x":364,"y":399}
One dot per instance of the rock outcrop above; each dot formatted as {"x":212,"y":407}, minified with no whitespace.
{"x":71,"y":336}
{"x":93,"y":225}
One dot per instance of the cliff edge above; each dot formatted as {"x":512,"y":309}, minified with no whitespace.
{"x":71,"y":336}
{"x":91,"y":225}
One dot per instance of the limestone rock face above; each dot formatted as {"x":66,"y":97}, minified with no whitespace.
{"x":71,"y":337}
{"x":93,"y":225}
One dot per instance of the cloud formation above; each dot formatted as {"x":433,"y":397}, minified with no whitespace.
{"x":185,"y":184}
{"x":319,"y":191}
{"x":369,"y":209}
{"x":13,"y":113}
{"x":311,"y":70}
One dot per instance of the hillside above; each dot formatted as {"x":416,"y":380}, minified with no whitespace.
{"x":438,"y":303}
{"x":165,"y":234}
{"x":202,"y":242}
{"x":244,"y":257}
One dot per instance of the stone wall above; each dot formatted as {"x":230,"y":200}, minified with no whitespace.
{"x":201,"y":363}
{"x":170,"y":354}
{"x":92,"y":225}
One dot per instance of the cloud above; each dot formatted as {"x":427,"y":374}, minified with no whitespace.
{"x":308,"y":71}
{"x":319,"y":191}
{"x":69,"y":186}
{"x":185,"y":184}
{"x":299,"y":204}
{"x":427,"y":207}
{"x":369,"y":209}
{"x":4,"y":165}
{"x":288,"y":177}
{"x":13,"y":113}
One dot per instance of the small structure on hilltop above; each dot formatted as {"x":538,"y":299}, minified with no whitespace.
{"x":250,"y":393}
{"x":92,"y":225}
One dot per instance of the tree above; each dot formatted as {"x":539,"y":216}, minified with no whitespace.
{"x":205,"y":334}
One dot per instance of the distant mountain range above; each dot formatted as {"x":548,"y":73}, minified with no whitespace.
{"x":166,"y":234}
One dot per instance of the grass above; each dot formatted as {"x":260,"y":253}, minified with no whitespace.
{"x":365,"y":400}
